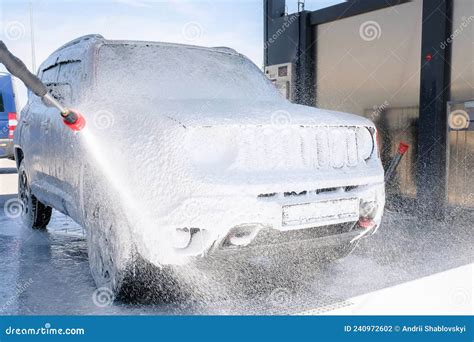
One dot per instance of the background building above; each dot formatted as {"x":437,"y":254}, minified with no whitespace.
{"x":406,"y":65}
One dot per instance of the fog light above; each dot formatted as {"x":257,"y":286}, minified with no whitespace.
{"x":181,"y":238}
{"x":368,"y":209}
{"x":242,"y":235}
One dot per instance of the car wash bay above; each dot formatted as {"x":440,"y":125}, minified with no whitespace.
{"x":407,"y":66}
{"x":410,"y":266}
{"x":415,"y":264}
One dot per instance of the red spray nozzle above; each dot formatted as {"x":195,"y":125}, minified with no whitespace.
{"x":403,"y":148}
{"x":74,"y":120}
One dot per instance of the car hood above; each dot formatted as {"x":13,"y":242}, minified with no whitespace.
{"x":192,"y":113}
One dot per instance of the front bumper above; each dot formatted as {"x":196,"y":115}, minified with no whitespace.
{"x":6,"y":148}
{"x":302,"y":248}
{"x":212,"y":220}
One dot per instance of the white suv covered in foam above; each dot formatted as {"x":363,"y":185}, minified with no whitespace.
{"x":190,"y":152}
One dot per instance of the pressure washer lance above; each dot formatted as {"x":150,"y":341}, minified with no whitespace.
{"x":402,"y":149}
{"x":16,"y":67}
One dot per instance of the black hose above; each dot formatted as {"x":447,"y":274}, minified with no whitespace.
{"x":17,"y":68}
{"x":392,"y":167}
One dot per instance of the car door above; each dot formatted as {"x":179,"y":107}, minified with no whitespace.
{"x":3,"y":124}
{"x":64,"y":144}
{"x":36,"y":129}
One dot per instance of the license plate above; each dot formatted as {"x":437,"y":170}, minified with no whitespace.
{"x":320,"y":213}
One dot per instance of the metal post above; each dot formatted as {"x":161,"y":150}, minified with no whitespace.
{"x":33,"y":52}
{"x":272,"y":10}
{"x":305,"y":93}
{"x":434,"y":94}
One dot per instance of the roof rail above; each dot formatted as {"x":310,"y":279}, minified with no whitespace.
{"x":80,"y":39}
{"x":225,"y":49}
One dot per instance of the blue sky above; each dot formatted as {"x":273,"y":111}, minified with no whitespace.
{"x":237,"y":24}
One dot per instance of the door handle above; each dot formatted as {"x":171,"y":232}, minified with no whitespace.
{"x":25,"y":122}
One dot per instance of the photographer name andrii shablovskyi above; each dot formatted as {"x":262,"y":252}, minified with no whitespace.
{"x":435,"y":328}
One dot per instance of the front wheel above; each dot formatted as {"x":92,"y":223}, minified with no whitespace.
{"x":35,"y":214}
{"x":114,"y":261}
{"x":116,"y":265}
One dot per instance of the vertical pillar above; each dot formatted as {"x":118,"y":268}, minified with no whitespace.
{"x":434,"y":94}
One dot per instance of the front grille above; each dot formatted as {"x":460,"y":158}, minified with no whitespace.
{"x":301,"y":148}
{"x":294,"y":193}
{"x":309,"y":192}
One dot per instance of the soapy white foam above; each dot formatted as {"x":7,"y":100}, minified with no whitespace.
{"x":193,"y":136}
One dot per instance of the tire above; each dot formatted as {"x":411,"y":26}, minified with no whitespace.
{"x":35,"y":214}
{"x":114,"y":262}
{"x":108,"y":242}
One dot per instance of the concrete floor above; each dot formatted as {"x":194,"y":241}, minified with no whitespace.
{"x":48,"y":273}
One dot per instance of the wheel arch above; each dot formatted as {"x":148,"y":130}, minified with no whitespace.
{"x":19,"y":156}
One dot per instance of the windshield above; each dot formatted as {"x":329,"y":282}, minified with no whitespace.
{"x":172,"y":72}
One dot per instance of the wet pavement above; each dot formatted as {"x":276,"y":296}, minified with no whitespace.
{"x":46,"y":272}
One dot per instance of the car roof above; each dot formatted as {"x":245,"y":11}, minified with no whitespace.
{"x":93,"y":39}
{"x":79,"y":48}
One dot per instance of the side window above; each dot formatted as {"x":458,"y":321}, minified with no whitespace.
{"x":2,"y":106}
{"x":70,"y":79}
{"x":70,"y":72}
{"x":50,"y":74}
{"x":62,"y":80}
{"x":61,"y":92}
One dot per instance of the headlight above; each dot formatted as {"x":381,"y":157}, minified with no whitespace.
{"x":211,"y":148}
{"x":365,"y":143}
